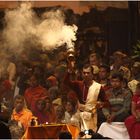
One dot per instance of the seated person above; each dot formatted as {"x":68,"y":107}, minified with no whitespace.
{"x":70,"y":110}
{"x":119,"y":108}
{"x":90,"y":95}
{"x":34,"y":92}
{"x":40,"y":111}
{"x":133,"y":122}
{"x":60,"y":114}
{"x":20,"y":112}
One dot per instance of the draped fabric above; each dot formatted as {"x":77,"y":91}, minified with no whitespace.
{"x":89,"y":116}
{"x":33,"y":94}
{"x":24,"y":117}
{"x":114,"y":130}
{"x":131,"y":123}
{"x":50,"y":131}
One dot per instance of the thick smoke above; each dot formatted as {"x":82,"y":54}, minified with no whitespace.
{"x":24,"y":28}
{"x":20,"y":25}
{"x":53,"y":32}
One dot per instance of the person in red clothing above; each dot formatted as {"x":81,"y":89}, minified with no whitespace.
{"x":44,"y":111}
{"x":90,"y":94}
{"x":133,"y":122}
{"x":6,"y":90}
{"x":40,"y":111}
{"x":50,"y":111}
{"x":34,"y":92}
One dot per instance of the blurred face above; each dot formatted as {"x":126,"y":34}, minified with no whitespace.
{"x":103,"y":74}
{"x":87,"y":74}
{"x":116,"y":83}
{"x":19,"y":104}
{"x":48,"y":104}
{"x":33,"y":81}
{"x":93,"y":60}
{"x":69,"y":107}
{"x":40,"y":105}
{"x":60,"y":111}
{"x":118,"y":61}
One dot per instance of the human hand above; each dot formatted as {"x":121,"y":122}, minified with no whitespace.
{"x":71,"y":66}
{"x":99,"y":104}
{"x":81,"y":107}
{"x":110,"y":118}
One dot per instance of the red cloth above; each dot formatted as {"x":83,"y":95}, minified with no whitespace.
{"x":33,"y":94}
{"x":6,"y":90}
{"x":41,"y":117}
{"x":7,"y":84}
{"x":78,"y":86}
{"x":132,"y":125}
{"x":45,"y":115}
{"x":51,"y":115}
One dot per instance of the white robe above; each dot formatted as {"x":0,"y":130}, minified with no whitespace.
{"x":89,"y":116}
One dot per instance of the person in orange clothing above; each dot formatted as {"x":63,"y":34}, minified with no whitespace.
{"x":34,"y":93}
{"x":20,"y":112}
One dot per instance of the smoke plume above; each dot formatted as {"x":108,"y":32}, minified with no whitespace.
{"x":24,"y":28}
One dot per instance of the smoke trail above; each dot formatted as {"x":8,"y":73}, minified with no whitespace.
{"x":53,"y":32}
{"x":24,"y":28}
{"x":20,"y":25}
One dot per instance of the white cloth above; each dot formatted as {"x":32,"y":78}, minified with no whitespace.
{"x":114,"y":130}
{"x":132,"y":85}
{"x":16,"y":91}
{"x":92,"y":96}
{"x":89,"y":116}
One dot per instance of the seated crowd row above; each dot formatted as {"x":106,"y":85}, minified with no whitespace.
{"x":92,"y":98}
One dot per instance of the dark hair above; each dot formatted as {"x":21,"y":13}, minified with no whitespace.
{"x":93,"y":53}
{"x":72,"y":102}
{"x":20,"y":97}
{"x":87,"y":65}
{"x":65,"y":135}
{"x":106,"y":67}
{"x":117,"y":75}
{"x":42,"y":101}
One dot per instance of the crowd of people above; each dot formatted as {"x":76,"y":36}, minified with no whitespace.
{"x":93,"y":97}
